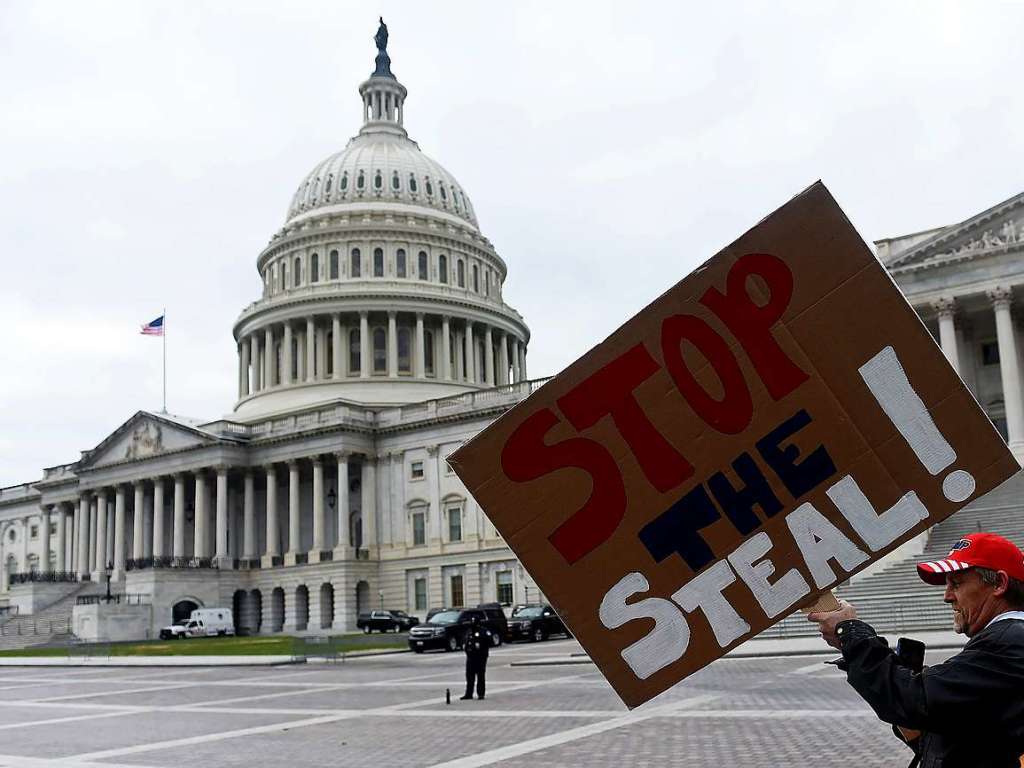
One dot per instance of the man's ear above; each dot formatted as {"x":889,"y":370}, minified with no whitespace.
{"x":1004,"y":583}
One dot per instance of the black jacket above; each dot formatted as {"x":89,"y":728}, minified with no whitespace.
{"x":970,"y":708}
{"x":478,"y":643}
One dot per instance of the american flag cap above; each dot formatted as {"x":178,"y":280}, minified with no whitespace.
{"x":976,"y":550}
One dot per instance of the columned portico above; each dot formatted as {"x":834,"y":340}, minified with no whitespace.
{"x":1009,"y":369}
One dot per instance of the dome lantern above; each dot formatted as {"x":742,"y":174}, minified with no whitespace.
{"x":383,"y":96}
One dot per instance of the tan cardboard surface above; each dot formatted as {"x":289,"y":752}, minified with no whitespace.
{"x":616,"y":516}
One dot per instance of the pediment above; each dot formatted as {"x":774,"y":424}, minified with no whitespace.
{"x":995,"y":230}
{"x":145,"y":435}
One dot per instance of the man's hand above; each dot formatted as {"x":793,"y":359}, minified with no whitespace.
{"x":827,"y":621}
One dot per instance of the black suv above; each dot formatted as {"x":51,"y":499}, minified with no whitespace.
{"x":535,"y":622}
{"x":385,"y":621}
{"x":447,"y":629}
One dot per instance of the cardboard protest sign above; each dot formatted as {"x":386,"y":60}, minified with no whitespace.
{"x":773,"y":423}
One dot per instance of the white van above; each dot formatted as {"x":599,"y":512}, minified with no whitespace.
{"x":210,"y":622}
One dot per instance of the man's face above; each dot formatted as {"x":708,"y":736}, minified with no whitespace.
{"x":972,"y":601}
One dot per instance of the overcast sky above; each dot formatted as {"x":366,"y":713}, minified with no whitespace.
{"x":149,"y":150}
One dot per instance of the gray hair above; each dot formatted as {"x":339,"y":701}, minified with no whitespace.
{"x":1014,"y":590}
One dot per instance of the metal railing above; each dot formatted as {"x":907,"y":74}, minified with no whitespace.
{"x":120,"y":598}
{"x":43,"y":577}
{"x":141,"y":563}
{"x":888,"y":614}
{"x":8,"y":610}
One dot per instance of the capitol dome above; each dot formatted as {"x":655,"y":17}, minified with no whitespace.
{"x":380,"y":288}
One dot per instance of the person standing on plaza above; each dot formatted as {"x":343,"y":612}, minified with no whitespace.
{"x":477,"y":645}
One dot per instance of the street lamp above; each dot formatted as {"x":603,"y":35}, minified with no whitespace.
{"x":107,"y":575}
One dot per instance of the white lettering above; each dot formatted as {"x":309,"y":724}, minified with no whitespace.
{"x":705,"y":592}
{"x":877,"y":531}
{"x":819,"y":541}
{"x":773,"y":598}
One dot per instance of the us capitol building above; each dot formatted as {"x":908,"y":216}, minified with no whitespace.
{"x":381,"y":342}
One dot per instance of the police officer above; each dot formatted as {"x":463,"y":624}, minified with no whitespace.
{"x":971,"y":707}
{"x":477,"y":645}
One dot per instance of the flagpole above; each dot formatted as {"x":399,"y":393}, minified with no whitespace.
{"x":165,"y":360}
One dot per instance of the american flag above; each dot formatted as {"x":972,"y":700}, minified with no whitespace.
{"x":154,"y":327}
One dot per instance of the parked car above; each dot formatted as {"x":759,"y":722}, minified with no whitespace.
{"x":447,"y":629}
{"x":385,"y":621}
{"x":496,"y":621}
{"x":434,"y":611}
{"x":535,"y":622}
{"x":202,"y":622}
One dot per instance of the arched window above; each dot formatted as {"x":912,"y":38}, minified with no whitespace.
{"x":355,"y":264}
{"x":332,"y":265}
{"x":378,"y":262}
{"x":455,"y":198}
{"x":316,"y":188}
{"x":378,"y":181}
{"x":344,"y":181}
{"x":476,"y":278}
{"x":396,"y":183}
{"x":354,"y":356}
{"x":422,"y":266}
{"x":400,"y":262}
{"x":430,"y":188}
{"x":412,"y":183}
{"x":314,"y":268}
{"x":442,"y":268}
{"x":330,"y":183}
{"x":460,"y":271}
{"x":428,"y":352}
{"x":444,"y":194}
{"x":282,"y":278}
{"x":404,"y":351}
{"x":380,"y":351}
{"x":297,"y":272}
{"x":361,"y":181}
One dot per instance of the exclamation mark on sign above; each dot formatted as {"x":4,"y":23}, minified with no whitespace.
{"x":888,"y":382}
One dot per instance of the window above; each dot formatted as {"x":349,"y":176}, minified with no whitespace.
{"x":419,"y":588}
{"x":457,"y":592}
{"x":419,"y":529}
{"x":442,"y":268}
{"x":378,"y":181}
{"x":329,"y":353}
{"x":283,"y":279}
{"x":378,"y":262}
{"x":503,"y":587}
{"x":355,"y":263}
{"x":380,"y":351}
{"x":416,"y":470}
{"x":487,"y":283}
{"x":460,"y":271}
{"x":412,"y":183}
{"x":455,"y":198}
{"x":454,"y":523}
{"x":330,"y":181}
{"x":297,"y":272}
{"x":314,"y":268}
{"x":990,"y":353}
{"x":354,"y":358}
{"x":53,"y":529}
{"x":332,"y":266}
{"x":444,"y":195}
{"x":422,"y":265}
{"x":361,"y":181}
{"x":476,"y":278}
{"x":404,"y":351}
{"x":344,"y":181}
{"x":11,"y":535}
{"x":428,"y":352}
{"x":396,"y":183}
{"x":430,"y":188}
{"x":33,"y":563}
{"x":400,"y":263}
{"x":34,"y":532}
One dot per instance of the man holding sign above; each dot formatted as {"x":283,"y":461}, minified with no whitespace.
{"x":770,"y":425}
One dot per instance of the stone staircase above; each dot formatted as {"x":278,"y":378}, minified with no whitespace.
{"x":894,"y":599}
{"x":50,"y":625}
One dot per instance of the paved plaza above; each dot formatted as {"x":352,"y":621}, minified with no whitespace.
{"x":390,"y":710}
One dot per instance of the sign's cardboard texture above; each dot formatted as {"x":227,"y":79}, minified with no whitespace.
{"x":773,"y":423}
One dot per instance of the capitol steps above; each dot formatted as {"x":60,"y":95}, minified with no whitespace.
{"x":894,"y":599}
{"x":50,"y":625}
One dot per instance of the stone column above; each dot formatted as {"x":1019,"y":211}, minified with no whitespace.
{"x":365,"y":362}
{"x":392,"y":344}
{"x":947,"y":331}
{"x":273,"y":537}
{"x":101,"y":533}
{"x":1009,"y":370}
{"x":489,"y":356}
{"x":502,"y":359}
{"x":44,"y":538}
{"x":336,"y":347}
{"x":446,"y":349}
{"x":470,"y":354}
{"x":139,"y":522}
{"x":287,"y":360}
{"x":268,"y":358}
{"x":201,"y":523}
{"x":294,"y":512}
{"x":319,"y":522}
{"x":223,"y":561}
{"x":179,"y":515}
{"x":243,"y":368}
{"x":310,"y":348}
{"x":249,"y":516}
{"x":62,"y":538}
{"x":257,"y":377}
{"x":90,"y":534}
{"x":419,"y":353}
{"x":369,"y":502}
{"x":159,"y":547}
{"x":516,"y":373}
{"x":344,"y":539}
{"x":522,"y":362}
{"x":120,"y":532}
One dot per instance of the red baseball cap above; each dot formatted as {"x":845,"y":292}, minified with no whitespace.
{"x":977,"y":550}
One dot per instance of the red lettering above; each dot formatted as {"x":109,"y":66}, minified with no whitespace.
{"x":609,"y":391}
{"x":526,"y":457}
{"x":734,"y":411}
{"x":752,"y":324}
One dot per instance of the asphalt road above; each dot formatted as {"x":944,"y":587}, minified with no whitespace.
{"x":390,"y":710}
